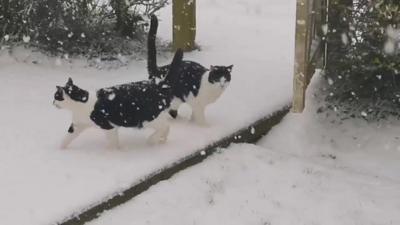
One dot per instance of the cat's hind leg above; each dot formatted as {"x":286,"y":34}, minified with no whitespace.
{"x":74,"y":131}
{"x":161,"y":127}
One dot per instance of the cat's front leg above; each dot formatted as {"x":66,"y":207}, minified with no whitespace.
{"x":161,"y":127}
{"x":112,"y":137}
{"x":159,"y":136}
{"x":173,"y":112}
{"x":198,"y":115}
{"x":74,"y":131}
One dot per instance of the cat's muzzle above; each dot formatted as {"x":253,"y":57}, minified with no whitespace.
{"x":224,"y":84}
{"x":56,"y":105}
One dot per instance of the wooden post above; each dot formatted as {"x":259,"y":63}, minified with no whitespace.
{"x":184,"y":24}
{"x":324,"y":21}
{"x":301,"y":56}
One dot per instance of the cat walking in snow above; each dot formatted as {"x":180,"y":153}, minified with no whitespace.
{"x":196,"y":85}
{"x":137,"y":105}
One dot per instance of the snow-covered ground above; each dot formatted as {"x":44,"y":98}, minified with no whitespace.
{"x":307,"y":171}
{"x":41,"y":184}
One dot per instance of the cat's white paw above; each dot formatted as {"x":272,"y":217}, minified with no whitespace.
{"x":161,"y":132}
{"x":64,"y":144}
{"x":157,"y":139}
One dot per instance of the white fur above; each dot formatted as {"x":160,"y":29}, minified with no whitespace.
{"x":81,"y":121}
{"x":78,"y":129}
{"x":208,"y":93}
{"x":80,"y":116}
{"x":112,"y":136}
{"x":161,"y":126}
{"x":80,"y":110}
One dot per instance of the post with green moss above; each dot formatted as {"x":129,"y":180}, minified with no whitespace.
{"x":184,"y":24}
{"x":301,"y":56}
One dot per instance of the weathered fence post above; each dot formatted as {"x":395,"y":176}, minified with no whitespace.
{"x":301,"y":56}
{"x":309,"y":47}
{"x":184,"y":24}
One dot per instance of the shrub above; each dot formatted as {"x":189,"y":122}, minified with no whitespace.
{"x":76,"y":27}
{"x":363,"y":71}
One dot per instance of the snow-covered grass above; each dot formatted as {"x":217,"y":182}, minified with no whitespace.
{"x":41,"y":184}
{"x":247,"y":184}
{"x":306,"y":171}
{"x":365,"y":147}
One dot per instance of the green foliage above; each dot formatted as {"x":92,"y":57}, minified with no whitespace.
{"x":76,"y":27}
{"x":363,"y":71}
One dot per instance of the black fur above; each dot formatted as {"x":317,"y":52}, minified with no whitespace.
{"x":190,"y":73}
{"x":59,"y":94}
{"x":151,"y":48}
{"x":130,"y":105}
{"x":75,"y":93}
{"x":71,"y":128}
{"x":173,"y":113}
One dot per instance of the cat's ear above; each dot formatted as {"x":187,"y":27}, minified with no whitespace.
{"x":212,"y":68}
{"x":59,"y":88}
{"x":230,"y":68}
{"x":70,"y":82}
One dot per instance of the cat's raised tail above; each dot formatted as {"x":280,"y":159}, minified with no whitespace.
{"x":173,"y":72}
{"x":152,"y":67}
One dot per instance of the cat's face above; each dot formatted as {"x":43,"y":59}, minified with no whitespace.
{"x":68,"y":95}
{"x":220,"y":75}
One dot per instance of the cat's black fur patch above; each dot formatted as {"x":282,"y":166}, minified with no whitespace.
{"x":127,"y":105}
{"x":173,"y":113}
{"x":76,"y":93}
{"x":190,"y":73}
{"x":71,"y":128}
{"x":132,"y":104}
{"x":59,"y":96}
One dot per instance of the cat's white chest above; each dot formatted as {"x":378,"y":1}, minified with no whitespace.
{"x":81,"y":111}
{"x":81,"y":117}
{"x":210,"y":92}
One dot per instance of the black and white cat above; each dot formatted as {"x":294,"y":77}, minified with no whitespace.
{"x":197,"y":85}
{"x":137,"y":104}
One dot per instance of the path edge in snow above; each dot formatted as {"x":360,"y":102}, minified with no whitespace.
{"x":250,"y":134}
